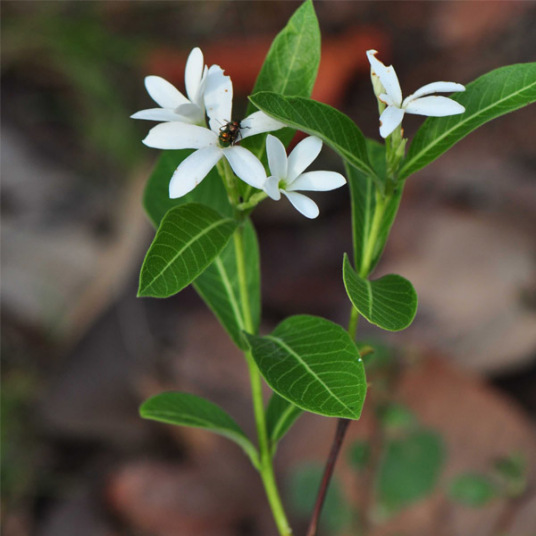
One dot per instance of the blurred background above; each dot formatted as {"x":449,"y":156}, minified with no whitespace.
{"x":80,"y":352}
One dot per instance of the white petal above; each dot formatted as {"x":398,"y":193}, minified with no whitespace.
{"x":246,"y":165}
{"x":158,"y":114}
{"x":192,"y":170}
{"x":190,"y":113}
{"x":386,"y":99}
{"x":320,"y":181}
{"x":391,"y":117}
{"x":387,"y":76}
{"x":218,"y":98}
{"x":193,"y":73}
{"x":303,"y":204}
{"x":271,"y":187}
{"x":164,"y":93}
{"x":434,"y":87}
{"x":277,"y":157}
{"x":302,"y":156}
{"x":177,"y":135}
{"x":434,"y":106}
{"x":258,"y":122}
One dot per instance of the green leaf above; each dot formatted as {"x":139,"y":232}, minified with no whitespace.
{"x":373,"y":212}
{"x":333,"y":127}
{"x":494,"y":94}
{"x":389,"y":302}
{"x":280,"y":416}
{"x":187,"y":241}
{"x":157,"y":202}
{"x":290,"y":67}
{"x":472,"y":490}
{"x":183,"y":409}
{"x":218,"y":285}
{"x":409,"y":470}
{"x":314,"y":364}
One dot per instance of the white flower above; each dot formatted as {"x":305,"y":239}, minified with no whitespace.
{"x":211,"y":143}
{"x":417,"y":103}
{"x":287,"y":174}
{"x":174,"y":106}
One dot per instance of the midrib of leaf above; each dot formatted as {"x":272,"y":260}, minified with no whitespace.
{"x":460,"y":124}
{"x":306,"y":366}
{"x":292,"y":62}
{"x":186,"y":246}
{"x":209,"y":424}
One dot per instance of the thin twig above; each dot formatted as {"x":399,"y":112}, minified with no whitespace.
{"x":342,"y":426}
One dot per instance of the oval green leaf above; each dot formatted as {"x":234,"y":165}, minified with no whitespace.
{"x":184,"y":409}
{"x":494,"y":94}
{"x":333,"y":127}
{"x":409,"y":469}
{"x":291,"y":65}
{"x":314,"y":364}
{"x":187,"y":241}
{"x":217,"y":285}
{"x":389,"y":302}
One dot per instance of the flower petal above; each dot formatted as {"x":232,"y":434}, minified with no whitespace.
{"x":387,"y":76}
{"x":176,"y":135}
{"x":434,"y":106}
{"x":258,"y":122}
{"x":193,"y":74}
{"x":192,"y":170}
{"x":303,"y":204}
{"x":277,"y":157}
{"x":190,"y":113}
{"x":391,"y":117}
{"x":218,"y":98}
{"x":158,"y":114}
{"x":302,"y":156}
{"x":271,"y":187}
{"x":164,"y":93}
{"x":246,"y":166}
{"x":434,"y":87}
{"x":320,"y":181}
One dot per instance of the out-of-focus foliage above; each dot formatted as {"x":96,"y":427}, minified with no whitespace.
{"x":68,"y":67}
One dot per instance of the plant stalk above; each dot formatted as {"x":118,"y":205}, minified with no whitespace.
{"x":342,"y":426}
{"x":266,"y":468}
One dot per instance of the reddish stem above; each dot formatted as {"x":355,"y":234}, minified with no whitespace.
{"x":342,"y":426}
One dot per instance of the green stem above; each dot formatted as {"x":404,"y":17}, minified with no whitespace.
{"x":265,"y":456}
{"x":368,"y":254}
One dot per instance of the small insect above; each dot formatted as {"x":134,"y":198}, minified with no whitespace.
{"x":230,"y":133}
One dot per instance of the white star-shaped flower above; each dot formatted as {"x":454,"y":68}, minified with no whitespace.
{"x":422,"y":102}
{"x":287,"y":174}
{"x":174,"y":106}
{"x":215,"y":142}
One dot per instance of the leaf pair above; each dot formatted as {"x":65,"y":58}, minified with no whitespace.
{"x":311,"y":363}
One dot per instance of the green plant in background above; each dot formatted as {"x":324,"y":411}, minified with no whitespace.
{"x":211,"y":177}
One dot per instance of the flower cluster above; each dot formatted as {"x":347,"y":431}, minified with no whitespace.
{"x":183,"y":126}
